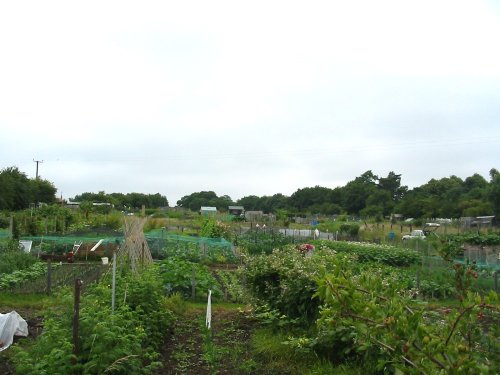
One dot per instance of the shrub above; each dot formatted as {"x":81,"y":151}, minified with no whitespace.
{"x":285,"y":281}
{"x":177,"y":274}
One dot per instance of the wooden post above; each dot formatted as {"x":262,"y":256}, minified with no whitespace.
{"x":76,"y":317}
{"x":193,"y":284}
{"x":113,"y":282}
{"x":11,"y":227}
{"x":418,"y":280}
{"x":49,"y":274}
{"x":142,"y":255}
{"x":495,"y":275}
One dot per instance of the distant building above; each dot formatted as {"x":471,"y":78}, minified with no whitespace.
{"x":396,"y":217}
{"x":236,"y":210}
{"x":208,"y":211}
{"x":478,"y":221}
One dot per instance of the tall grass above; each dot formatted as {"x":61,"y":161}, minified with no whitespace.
{"x":279,"y":358}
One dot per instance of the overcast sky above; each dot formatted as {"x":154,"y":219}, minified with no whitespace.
{"x":242,"y":98}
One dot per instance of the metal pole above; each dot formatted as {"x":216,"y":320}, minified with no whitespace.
{"x":113,"y":284}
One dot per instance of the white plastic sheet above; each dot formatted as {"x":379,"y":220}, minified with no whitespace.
{"x":11,"y":324}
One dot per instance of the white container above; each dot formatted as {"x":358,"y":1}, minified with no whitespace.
{"x":104,"y":260}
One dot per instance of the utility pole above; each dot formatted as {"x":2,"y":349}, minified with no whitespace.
{"x":37,"y":162}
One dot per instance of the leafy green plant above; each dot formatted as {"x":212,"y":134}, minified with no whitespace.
{"x":231,"y":282}
{"x":19,"y":276}
{"x":177,"y":276}
{"x":212,"y":228}
{"x":285,"y":280}
{"x":368,"y":316}
{"x":12,"y":258}
{"x":350,"y":229}
{"x":125,"y":340}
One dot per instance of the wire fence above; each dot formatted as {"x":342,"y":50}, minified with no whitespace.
{"x":59,"y":275}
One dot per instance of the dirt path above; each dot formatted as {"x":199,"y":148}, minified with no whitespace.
{"x":224,"y":350}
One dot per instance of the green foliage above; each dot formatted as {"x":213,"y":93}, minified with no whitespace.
{"x":154,"y":223}
{"x":122,"y":201}
{"x":26,"y":273}
{"x":212,"y":228}
{"x":17,"y":191}
{"x":176,"y":304}
{"x":368,"y":316}
{"x":351,"y":229}
{"x":124,"y":341}
{"x":177,"y":277}
{"x":490,"y":239}
{"x":195,"y":201}
{"x":206,"y":250}
{"x":230,"y":281}
{"x":284,"y":280}
{"x":367,"y":312}
{"x":259,"y":242}
{"x":12,"y":258}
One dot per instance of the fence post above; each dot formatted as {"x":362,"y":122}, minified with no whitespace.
{"x":496,"y":280}
{"x":113,"y":282}
{"x":418,"y":280}
{"x":193,"y":283}
{"x":76,"y":317}
{"x":49,"y":274}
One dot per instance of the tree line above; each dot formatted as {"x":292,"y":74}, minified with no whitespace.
{"x":367,"y":195}
{"x":124,"y":201}
{"x":374,"y":196}
{"x":18,"y":192}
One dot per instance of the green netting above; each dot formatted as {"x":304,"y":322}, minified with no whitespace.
{"x":165,"y":245}
{"x":158,"y":234}
{"x":64,"y":244}
{"x":4,"y":233}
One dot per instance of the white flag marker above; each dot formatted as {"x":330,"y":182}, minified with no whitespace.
{"x":208,"y":320}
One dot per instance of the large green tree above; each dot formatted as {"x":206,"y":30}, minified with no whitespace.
{"x":356,"y":192}
{"x":17,"y":191}
{"x":494,"y":192}
{"x":306,"y":198}
{"x":200,"y":199}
